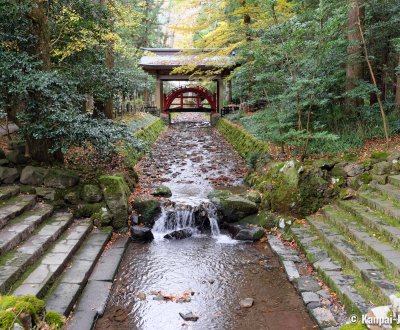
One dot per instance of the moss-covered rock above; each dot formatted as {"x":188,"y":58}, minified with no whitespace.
{"x":162,"y":191}
{"x":87,"y":210}
{"x":91,"y":193}
{"x":379,"y":156}
{"x":60,"y":178}
{"x":7,"y":319}
{"x":148,"y":211}
{"x":263,"y":219}
{"x":8,"y":174}
{"x":54,"y":320}
{"x":382,"y":168}
{"x":254,"y":196}
{"x":235,"y":207}
{"x":7,"y":302}
{"x":72,"y":198}
{"x":116,"y":193}
{"x":33,"y":175}
{"x":102,"y":218}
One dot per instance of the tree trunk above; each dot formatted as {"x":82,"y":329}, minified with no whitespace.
{"x":397,"y":101}
{"x":354,"y":69}
{"x":39,"y":149}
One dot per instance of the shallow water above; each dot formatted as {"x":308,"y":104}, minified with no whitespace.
{"x":192,"y":159}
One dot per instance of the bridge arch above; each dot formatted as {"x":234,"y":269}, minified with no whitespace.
{"x":184,"y":93}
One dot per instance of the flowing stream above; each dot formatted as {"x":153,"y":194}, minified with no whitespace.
{"x":209,"y":273}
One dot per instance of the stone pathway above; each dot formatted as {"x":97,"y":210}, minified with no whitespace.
{"x":55,"y":257}
{"x":355,"y":245}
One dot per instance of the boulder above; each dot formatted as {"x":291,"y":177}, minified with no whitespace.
{"x":249,"y":234}
{"x":92,"y":193}
{"x":353,"y":169}
{"x":17,"y":157}
{"x":60,"y":178}
{"x":33,"y":175}
{"x":8,"y":174}
{"x":141,"y":234}
{"x":46,"y":193}
{"x":338,"y":170}
{"x":148,"y":211}
{"x":72,"y":198}
{"x":382,"y":168}
{"x":254,"y":196}
{"x":116,"y":193}
{"x":4,"y":162}
{"x":180,"y":234}
{"x":102,"y":218}
{"x":235,"y":207}
{"x":162,"y":191}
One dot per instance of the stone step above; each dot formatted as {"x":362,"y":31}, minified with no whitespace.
{"x":394,"y":180}
{"x":330,"y":270}
{"x":380,"y":203}
{"x":22,"y":226}
{"x":350,"y":255}
{"x":15,"y":206}
{"x":378,"y":221}
{"x":94,"y":298}
{"x":388,"y":190}
{"x":54,"y":261}
{"x":6,"y":192}
{"x":68,"y":287}
{"x":384,"y":252}
{"x":15,"y":262}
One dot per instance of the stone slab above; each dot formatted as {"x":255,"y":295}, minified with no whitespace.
{"x":291,"y":270}
{"x":63,"y":298}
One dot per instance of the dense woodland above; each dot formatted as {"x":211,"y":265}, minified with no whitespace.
{"x":324,"y":75}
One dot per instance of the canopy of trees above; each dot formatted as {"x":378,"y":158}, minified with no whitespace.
{"x":55,"y":53}
{"x":317,"y":66}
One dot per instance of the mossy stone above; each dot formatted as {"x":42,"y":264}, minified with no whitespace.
{"x":148,"y":210}
{"x":55,"y":320}
{"x":60,"y":178}
{"x":235,"y":208}
{"x":87,"y":210}
{"x":8,"y":319}
{"x":7,"y":302}
{"x":37,"y":304}
{"x":92,"y":193}
{"x":263,"y":219}
{"x":116,"y":193}
{"x":72,"y":198}
{"x":380,"y":156}
{"x":162,"y":191}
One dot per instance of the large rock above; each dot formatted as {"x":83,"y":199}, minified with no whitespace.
{"x":234,"y":207}
{"x":250,"y":234}
{"x":180,"y":234}
{"x":60,"y":178}
{"x":162,"y":191}
{"x":8,"y":174}
{"x":381,"y":168}
{"x":17,"y":157}
{"x":116,"y":193}
{"x":353,"y":169}
{"x":91,"y":193}
{"x":33,"y":175}
{"x":141,"y":234}
{"x":46,"y":193}
{"x":148,"y":211}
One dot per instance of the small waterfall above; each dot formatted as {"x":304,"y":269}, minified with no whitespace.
{"x":199,"y":218}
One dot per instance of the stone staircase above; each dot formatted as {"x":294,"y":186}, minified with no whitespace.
{"x":55,"y":257}
{"x":355,"y":245}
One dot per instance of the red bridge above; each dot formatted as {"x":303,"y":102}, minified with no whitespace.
{"x":190,"y":98}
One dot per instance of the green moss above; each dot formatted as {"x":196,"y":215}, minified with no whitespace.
{"x":350,"y":157}
{"x":243,"y":142}
{"x":54,"y":320}
{"x":37,"y":304}
{"x":148,"y":210}
{"x":7,"y":302}
{"x":380,"y":156}
{"x":264,"y":219}
{"x":7,"y":319}
{"x":356,"y":326}
{"x":87,"y":210}
{"x":113,"y":184}
{"x":24,"y":307}
{"x":366,"y":178}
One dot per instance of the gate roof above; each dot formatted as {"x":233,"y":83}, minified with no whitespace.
{"x":162,"y":61}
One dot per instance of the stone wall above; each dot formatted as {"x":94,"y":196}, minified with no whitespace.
{"x":301,"y":188}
